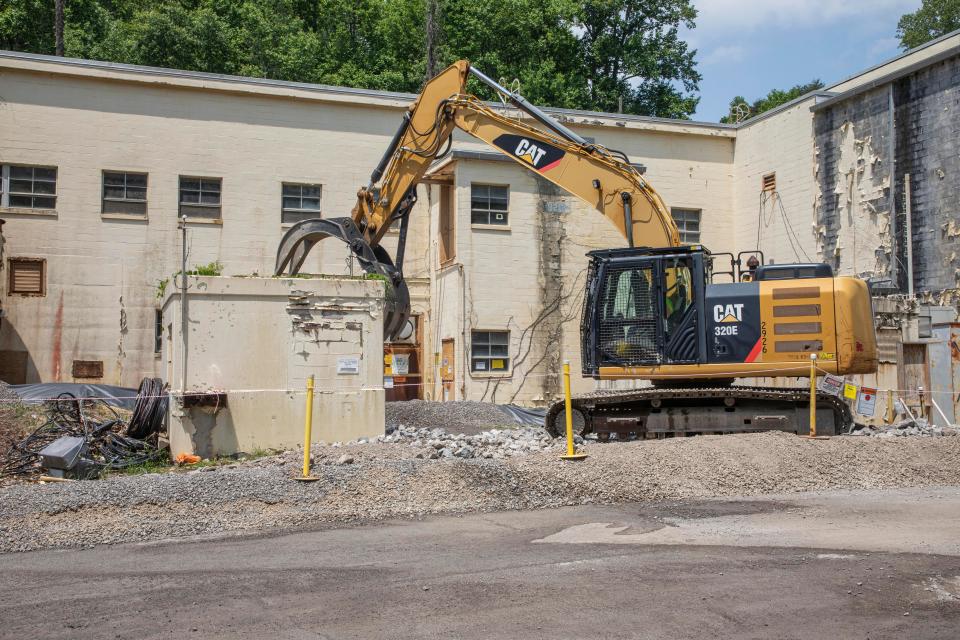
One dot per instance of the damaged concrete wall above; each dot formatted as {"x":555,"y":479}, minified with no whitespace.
{"x":256,"y":341}
{"x":853,"y":203}
{"x":928,"y":148}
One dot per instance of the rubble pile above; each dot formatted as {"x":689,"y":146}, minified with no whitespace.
{"x":918,"y":427}
{"x":495,"y":444}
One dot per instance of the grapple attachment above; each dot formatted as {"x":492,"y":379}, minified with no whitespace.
{"x":301,"y":238}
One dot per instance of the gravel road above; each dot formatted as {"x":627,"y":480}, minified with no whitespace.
{"x":398,"y":479}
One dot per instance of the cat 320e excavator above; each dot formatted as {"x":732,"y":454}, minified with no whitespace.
{"x":652,"y":310}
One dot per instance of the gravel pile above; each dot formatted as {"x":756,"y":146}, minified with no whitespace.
{"x":462,"y":416}
{"x":7,"y":394}
{"x":389,"y":480}
{"x":918,"y":427}
{"x":495,"y":444}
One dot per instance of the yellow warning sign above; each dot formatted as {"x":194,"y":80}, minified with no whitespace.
{"x":850,"y":391}
{"x":497,"y":364}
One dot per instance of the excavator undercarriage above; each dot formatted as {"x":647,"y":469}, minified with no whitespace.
{"x":656,"y":412}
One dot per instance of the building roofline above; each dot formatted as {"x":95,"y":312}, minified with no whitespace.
{"x":816,"y":94}
{"x":899,"y":56}
{"x":888,"y":78}
{"x":388,"y":98}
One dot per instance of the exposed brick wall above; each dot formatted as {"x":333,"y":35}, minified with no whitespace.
{"x":928,"y":148}
{"x":853,"y":178}
{"x":856,"y":158}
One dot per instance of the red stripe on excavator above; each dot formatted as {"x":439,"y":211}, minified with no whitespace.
{"x":551,"y":165}
{"x":755,"y":351}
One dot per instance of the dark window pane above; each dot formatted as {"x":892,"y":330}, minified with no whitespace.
{"x":21,"y":172}
{"x":311,"y":203}
{"x":137,"y":193}
{"x":480,"y":191}
{"x":210,"y":185}
{"x":113,"y":179}
{"x":45,"y":187}
{"x":210,"y":198}
{"x":498,"y":205}
{"x":311,"y":191}
{"x":136,"y":180}
{"x":44,"y":203}
{"x":42,"y":173}
{"x":498,"y":350}
{"x":21,"y":186}
{"x":291,"y":189}
{"x":190,"y":183}
{"x":21,"y":201}
{"x":190,"y":196}
{"x":499,"y":337}
{"x":291,"y":203}
{"x":125,"y":206}
{"x":498,"y":218}
{"x":113,"y":192}
{"x":479,"y":217}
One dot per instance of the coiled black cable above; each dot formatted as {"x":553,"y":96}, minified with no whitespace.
{"x":149,"y":410}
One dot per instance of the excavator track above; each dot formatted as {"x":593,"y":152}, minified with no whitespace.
{"x":657,"y":412}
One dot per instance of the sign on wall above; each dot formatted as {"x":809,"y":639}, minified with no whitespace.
{"x":348,"y":365}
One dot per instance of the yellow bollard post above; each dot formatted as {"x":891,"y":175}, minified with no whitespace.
{"x":568,"y":414}
{"x":307,"y":434}
{"x":813,"y":400}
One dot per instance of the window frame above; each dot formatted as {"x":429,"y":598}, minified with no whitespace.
{"x":682,"y":223}
{"x":218,"y":208}
{"x":6,"y":192}
{"x":489,"y":357}
{"x":299,"y":214}
{"x":489,"y":211}
{"x":104,"y":198}
{"x":11,"y":262}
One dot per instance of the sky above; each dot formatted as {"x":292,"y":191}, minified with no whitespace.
{"x":748,"y":47}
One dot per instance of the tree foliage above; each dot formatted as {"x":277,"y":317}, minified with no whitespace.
{"x":933,"y":19}
{"x":585,"y":54}
{"x":741,"y":110}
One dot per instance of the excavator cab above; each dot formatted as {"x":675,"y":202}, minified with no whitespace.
{"x":644,"y":307}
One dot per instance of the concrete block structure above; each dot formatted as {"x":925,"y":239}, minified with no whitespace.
{"x":495,"y":257}
{"x":249,"y":346}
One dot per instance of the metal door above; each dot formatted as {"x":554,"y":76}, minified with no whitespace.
{"x":448,"y":370}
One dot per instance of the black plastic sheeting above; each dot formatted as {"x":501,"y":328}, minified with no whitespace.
{"x":117,"y":396}
{"x":525,"y":416}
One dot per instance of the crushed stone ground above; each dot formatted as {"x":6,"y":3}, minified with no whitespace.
{"x":398,"y":479}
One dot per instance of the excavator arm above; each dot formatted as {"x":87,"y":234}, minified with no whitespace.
{"x":601,"y":177}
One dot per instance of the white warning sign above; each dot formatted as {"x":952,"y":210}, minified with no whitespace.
{"x":867,"y":401}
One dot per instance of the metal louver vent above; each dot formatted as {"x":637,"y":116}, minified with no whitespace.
{"x":26,"y":276}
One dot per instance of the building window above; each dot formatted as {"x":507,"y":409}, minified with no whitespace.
{"x":28,"y":187}
{"x":488,"y":204}
{"x":200,"y":197}
{"x":157,"y":330}
{"x":28,"y":276}
{"x":489,"y":351}
{"x":769,"y":182}
{"x":300,"y":202}
{"x":124,"y":192}
{"x":447,"y":244}
{"x":688,"y":223}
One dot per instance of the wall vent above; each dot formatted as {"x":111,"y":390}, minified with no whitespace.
{"x":769,"y":182}
{"x":88,"y":368}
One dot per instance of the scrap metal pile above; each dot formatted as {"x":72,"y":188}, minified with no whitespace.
{"x":93,"y":433}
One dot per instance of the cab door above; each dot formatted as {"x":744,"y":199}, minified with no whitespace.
{"x":680,"y":308}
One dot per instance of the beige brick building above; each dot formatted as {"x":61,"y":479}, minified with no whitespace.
{"x":99,"y":160}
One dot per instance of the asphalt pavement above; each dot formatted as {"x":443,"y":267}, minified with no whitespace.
{"x":867,"y":564}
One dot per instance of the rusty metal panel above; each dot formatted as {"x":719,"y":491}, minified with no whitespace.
{"x":87,"y":369}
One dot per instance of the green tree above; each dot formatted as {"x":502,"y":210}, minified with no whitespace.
{"x":586,"y":54}
{"x":632,"y":52}
{"x":933,"y":19}
{"x":741,"y":110}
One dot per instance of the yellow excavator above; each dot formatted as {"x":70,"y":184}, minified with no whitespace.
{"x":652,"y":310}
